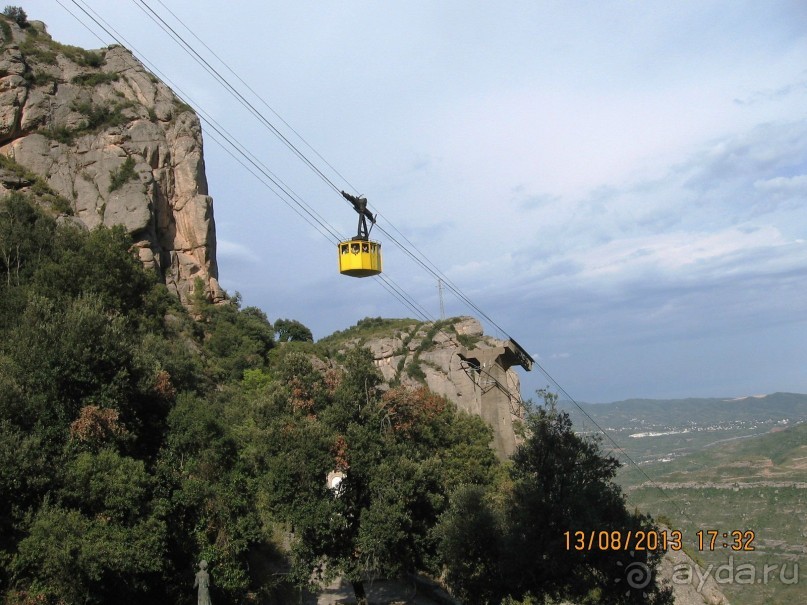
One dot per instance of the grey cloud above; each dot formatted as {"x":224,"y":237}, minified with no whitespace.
{"x":762,"y":96}
{"x":767,"y":151}
{"x":532,"y":202}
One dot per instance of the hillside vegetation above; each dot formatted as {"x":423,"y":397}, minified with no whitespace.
{"x":138,"y":437}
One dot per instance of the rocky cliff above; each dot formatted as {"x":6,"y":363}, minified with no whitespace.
{"x":453,"y":358}
{"x":113,"y":144}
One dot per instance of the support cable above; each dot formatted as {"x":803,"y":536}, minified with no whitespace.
{"x":258,"y":97}
{"x":174,"y":35}
{"x":188,"y":48}
{"x":385,"y":282}
{"x":223,"y":133}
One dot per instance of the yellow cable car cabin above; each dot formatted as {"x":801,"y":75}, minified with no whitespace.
{"x":359,"y":258}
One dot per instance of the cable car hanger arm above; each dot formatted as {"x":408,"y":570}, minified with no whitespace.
{"x":360,"y":206}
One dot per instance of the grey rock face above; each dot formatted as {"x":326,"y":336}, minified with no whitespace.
{"x":459,"y":362}
{"x":117,"y":143}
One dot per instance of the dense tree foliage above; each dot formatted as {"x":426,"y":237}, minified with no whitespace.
{"x":291,"y":330}
{"x":138,"y":437}
{"x":402,"y":454}
{"x":518,"y":547}
{"x":112,"y":455}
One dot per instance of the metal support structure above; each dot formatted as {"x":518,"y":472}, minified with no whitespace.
{"x":360,"y":206}
{"x":442,"y":304}
{"x":473,"y":372}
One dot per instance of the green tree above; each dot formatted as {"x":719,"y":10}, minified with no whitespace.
{"x":119,"y":467}
{"x":73,"y":558}
{"x":26,"y":238}
{"x":515,"y":547}
{"x":235,"y":339}
{"x":400,"y":453}
{"x":470,"y":546}
{"x":291,"y":330}
{"x":211,"y":501}
{"x":108,"y":267}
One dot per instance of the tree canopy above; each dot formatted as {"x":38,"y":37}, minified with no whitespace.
{"x":518,"y":547}
{"x":138,"y":438}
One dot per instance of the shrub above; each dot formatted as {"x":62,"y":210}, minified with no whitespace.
{"x":182,"y":107}
{"x":87,"y":58}
{"x":16,"y":14}
{"x":36,"y":51}
{"x":7,"y":36}
{"x":104,"y":77}
{"x":39,"y":188}
{"x":468,"y":341}
{"x":99,"y":116}
{"x":415,"y":371}
{"x":62,"y":134}
{"x":40,"y":78}
{"x":125,"y":173}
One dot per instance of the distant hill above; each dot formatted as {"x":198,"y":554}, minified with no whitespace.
{"x":777,"y":457}
{"x":650,"y":430}
{"x":685,"y":412}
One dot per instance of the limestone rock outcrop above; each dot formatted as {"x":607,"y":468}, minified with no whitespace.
{"x":457,"y":360}
{"x":114,"y":142}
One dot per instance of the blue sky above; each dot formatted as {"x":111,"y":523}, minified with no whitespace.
{"x":619,"y":184}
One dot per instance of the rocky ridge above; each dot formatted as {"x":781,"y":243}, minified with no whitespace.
{"x":112,"y":145}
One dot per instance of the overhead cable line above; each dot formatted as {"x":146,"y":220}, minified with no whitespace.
{"x":611,"y":440}
{"x":263,"y":171}
{"x":299,"y":206}
{"x":156,"y":18}
{"x":259,"y":97}
{"x":390,"y":286}
{"x":418,"y":258}
{"x":319,"y":223}
{"x":423,"y":262}
{"x":256,"y":165}
{"x":393,"y":288}
{"x":436,"y":273}
{"x":84,"y":25}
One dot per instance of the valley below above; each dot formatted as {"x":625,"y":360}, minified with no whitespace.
{"x":729,"y":474}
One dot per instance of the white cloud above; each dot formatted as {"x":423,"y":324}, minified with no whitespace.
{"x":597,"y":174}
{"x":232,"y":251}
